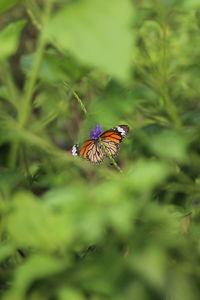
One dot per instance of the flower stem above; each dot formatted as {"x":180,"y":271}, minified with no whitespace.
{"x":77,"y":97}
{"x":110,"y":157}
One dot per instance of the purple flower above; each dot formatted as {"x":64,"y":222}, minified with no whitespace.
{"x":95,"y":133}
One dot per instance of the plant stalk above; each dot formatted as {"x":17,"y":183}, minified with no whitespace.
{"x":169,"y":104}
{"x":110,"y":157}
{"x":77,"y":97}
{"x":25,"y":107}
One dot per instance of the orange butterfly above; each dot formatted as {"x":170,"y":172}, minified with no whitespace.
{"x":92,"y":149}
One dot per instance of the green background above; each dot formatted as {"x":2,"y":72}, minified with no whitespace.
{"x":70,"y":230}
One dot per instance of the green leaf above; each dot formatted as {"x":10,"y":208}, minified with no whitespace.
{"x":4,"y":92}
{"x":5,"y":251}
{"x":36,"y":267}
{"x":7,"y":4}
{"x":70,"y":293}
{"x":151,"y":265}
{"x":9,"y":38}
{"x":97,"y":33}
{"x":30,"y":223}
{"x":146,"y":174}
{"x":191,"y":4}
{"x":171,"y":145}
{"x":53,"y":68}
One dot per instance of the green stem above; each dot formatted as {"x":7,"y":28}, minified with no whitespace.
{"x":12,"y":159}
{"x":31,"y":80}
{"x":25,"y":163}
{"x":34,"y":13}
{"x":169,"y":104}
{"x":77,"y":98}
{"x":25,"y":108}
{"x":110,"y":157}
{"x":79,"y":101}
{"x":171,"y":108}
{"x":13,"y":93}
{"x":7,"y":79}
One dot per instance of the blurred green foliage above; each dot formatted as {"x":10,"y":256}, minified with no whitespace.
{"x":74,"y":231}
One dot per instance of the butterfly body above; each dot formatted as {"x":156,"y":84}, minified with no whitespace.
{"x":97,"y":148}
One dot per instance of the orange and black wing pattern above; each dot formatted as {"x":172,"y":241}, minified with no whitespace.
{"x":92,"y":149}
{"x":115,"y":134}
{"x":96,"y":154}
{"x":113,"y":137}
{"x":83,"y":150}
{"x":85,"y":147}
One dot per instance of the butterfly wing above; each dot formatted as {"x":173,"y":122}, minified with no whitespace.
{"x":122,"y":129}
{"x":85,"y":147}
{"x":75,"y":150}
{"x":113,"y":137}
{"x":96,"y":154}
{"x":90,"y":150}
{"x":82,"y":151}
{"x":111,"y":147}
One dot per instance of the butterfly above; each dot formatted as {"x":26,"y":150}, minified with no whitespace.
{"x":92,"y":149}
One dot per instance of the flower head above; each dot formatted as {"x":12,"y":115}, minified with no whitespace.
{"x":95,"y":133}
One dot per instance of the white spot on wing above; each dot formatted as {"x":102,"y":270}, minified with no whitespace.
{"x":74,"y":150}
{"x":121,"y":130}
